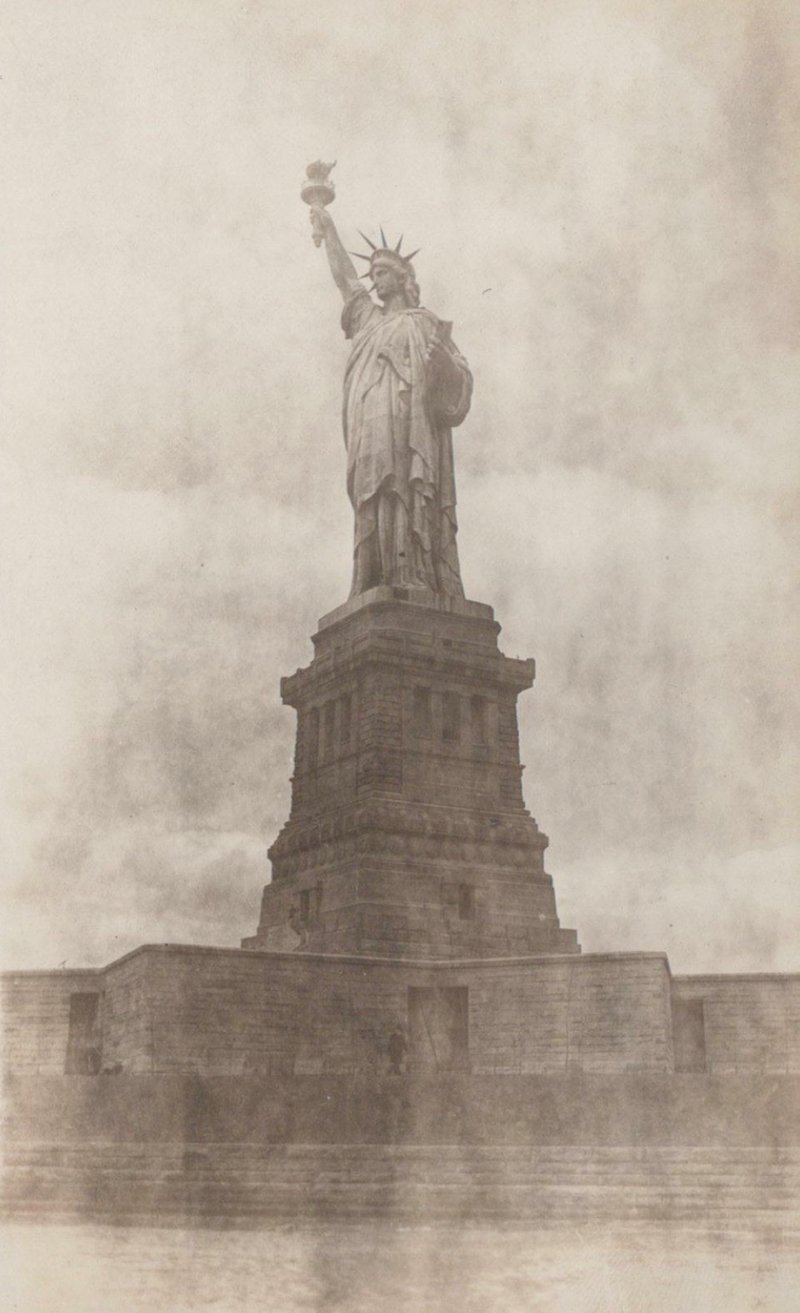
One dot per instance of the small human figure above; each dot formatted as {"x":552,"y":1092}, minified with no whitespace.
{"x":94,"y":1061}
{"x":397,"y":1048}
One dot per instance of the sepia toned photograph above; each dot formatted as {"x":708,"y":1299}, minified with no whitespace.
{"x":399,"y":542}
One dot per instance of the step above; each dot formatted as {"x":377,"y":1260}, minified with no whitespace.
{"x":753,"y":1185}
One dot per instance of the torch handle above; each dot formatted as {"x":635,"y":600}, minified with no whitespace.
{"x":316,"y":225}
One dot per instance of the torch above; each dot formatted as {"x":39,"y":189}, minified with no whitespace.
{"x":318,"y":190}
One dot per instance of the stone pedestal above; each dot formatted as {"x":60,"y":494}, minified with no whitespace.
{"x":408,"y":835}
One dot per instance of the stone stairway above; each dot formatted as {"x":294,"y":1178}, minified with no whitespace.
{"x":147,"y":1183}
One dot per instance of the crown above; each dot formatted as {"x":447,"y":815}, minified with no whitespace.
{"x":393,"y":252}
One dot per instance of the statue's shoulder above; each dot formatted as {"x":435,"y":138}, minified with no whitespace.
{"x":358,"y":312}
{"x":424,"y":317}
{"x":433,"y":324}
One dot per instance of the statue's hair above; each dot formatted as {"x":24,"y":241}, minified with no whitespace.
{"x":411,"y":288}
{"x":405,"y":269}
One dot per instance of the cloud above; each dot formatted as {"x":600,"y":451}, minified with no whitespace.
{"x":138,"y":882}
{"x":702,"y":913}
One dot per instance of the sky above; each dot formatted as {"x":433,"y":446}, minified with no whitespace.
{"x":605,"y":197}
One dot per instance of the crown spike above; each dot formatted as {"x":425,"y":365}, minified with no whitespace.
{"x":409,"y":258}
{"x":367,"y":239}
{"x":399,"y":244}
{"x":383,"y":239}
{"x":360,"y":256}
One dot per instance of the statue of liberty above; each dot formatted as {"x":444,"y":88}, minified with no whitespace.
{"x":405,"y":388}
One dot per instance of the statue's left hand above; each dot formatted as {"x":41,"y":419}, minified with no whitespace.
{"x":437,"y":360}
{"x":435,"y":351}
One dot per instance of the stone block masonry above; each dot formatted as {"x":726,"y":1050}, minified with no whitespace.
{"x":168,"y":1008}
{"x":38,"y":1014}
{"x":737,"y":1023}
{"x":408,"y":834}
{"x":228,"y":1012}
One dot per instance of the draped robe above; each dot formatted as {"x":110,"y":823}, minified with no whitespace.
{"x":400,"y":475}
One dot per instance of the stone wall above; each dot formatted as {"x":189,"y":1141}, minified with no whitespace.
{"x":406,"y":793}
{"x":595,"y":1014}
{"x":740,"y":1022}
{"x":36,"y":1017}
{"x":227,"y":1011}
{"x":217,"y":1011}
{"x":183,"y":1009}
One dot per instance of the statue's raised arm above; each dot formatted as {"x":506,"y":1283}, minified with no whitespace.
{"x":318,"y":191}
{"x":341,"y":266}
{"x":406,"y":387}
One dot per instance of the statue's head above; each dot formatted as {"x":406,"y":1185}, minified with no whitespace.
{"x":390,"y":271}
{"x":391,"y":274}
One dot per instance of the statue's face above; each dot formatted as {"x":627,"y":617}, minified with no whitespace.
{"x":386,"y":278}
